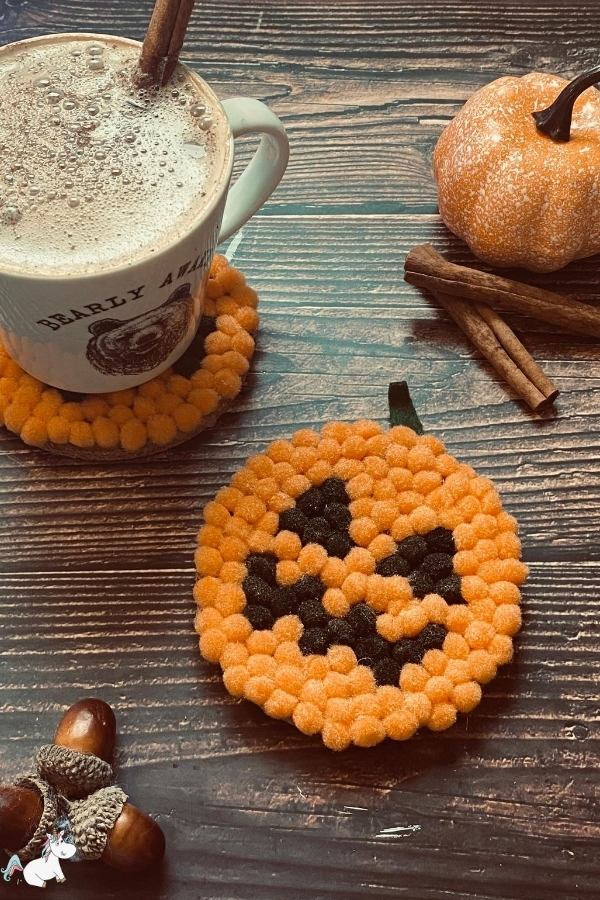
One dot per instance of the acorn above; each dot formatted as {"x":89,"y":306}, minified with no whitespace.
{"x":88,"y":726}
{"x":20,"y":812}
{"x":105,"y":826}
{"x":135,"y":842}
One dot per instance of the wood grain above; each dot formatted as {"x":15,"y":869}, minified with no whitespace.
{"x":97,"y":560}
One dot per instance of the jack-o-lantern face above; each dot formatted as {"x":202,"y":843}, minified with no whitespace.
{"x":359,"y":583}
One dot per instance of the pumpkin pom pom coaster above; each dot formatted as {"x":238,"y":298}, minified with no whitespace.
{"x":163,"y":412}
{"x":359,"y":582}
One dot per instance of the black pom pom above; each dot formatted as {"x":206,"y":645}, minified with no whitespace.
{"x":437,"y":565}
{"x":406,"y":650}
{"x":309,"y":587}
{"x":420,"y":583}
{"x":441,"y":540}
{"x":338,"y":544}
{"x":334,"y":491}
{"x":369,"y":650}
{"x":363,"y":620}
{"x":257,"y":591}
{"x":259,"y":617}
{"x":449,"y":589}
{"x":284,"y":602}
{"x":317,"y":531}
{"x":314,"y":640}
{"x":341,"y":632}
{"x":414,"y":549}
{"x":293,"y":519}
{"x":311,"y":502}
{"x":263,"y":565}
{"x":393,"y":565}
{"x":431,"y":638}
{"x":387,"y":671}
{"x":313,"y":614}
{"x":338,"y":516}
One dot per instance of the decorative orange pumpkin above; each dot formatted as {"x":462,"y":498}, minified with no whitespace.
{"x":519,"y":179}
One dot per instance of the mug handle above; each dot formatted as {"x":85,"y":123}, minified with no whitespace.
{"x":264,"y":171}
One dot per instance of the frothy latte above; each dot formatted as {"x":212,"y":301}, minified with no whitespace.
{"x":96,"y":172}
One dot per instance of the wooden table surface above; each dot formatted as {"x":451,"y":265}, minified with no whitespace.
{"x":97,"y":559}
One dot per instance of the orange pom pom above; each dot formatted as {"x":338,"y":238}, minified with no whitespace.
{"x":355,"y":587}
{"x":507,"y":619}
{"x":466,"y":696}
{"x":262,"y":642}
{"x":423,"y":519}
{"x":81,"y":434}
{"x":262,"y":664}
{"x":230,"y":599}
{"x":401,"y":725}
{"x":360,"y":486}
{"x":336,"y":602}
{"x":413,"y":677}
{"x":234,"y":679}
{"x":258,"y":689}
{"x":504,"y":592}
{"x":334,"y":572}
{"x":442,"y":716}
{"x":482,"y":667}
{"x":234,"y":655}
{"x":343,"y":660}
{"x":501,"y":649}
{"x":312,"y":559}
{"x":287,"y":545}
{"x":413,"y":620}
{"x":237,"y":628}
{"x":366,"y":731}
{"x":362,"y":681}
{"x":340,"y":710}
{"x":314,"y":692}
{"x":435,"y":661}
{"x":455,"y":646}
{"x":459,"y":618}
{"x":208,"y":561}
{"x":439,"y":688}
{"x":133,"y":435}
{"x":466,"y":563}
{"x":34,"y":432}
{"x":287,"y":629}
{"x":308,"y":718}
{"x":363,"y":531}
{"x":288,"y":572}
{"x":280,"y":705}
{"x":376,"y":467}
{"x":212,"y":643}
{"x":335,"y":735}
{"x":337,"y":685}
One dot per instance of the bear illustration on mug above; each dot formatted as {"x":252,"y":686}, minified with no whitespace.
{"x":133,"y":346}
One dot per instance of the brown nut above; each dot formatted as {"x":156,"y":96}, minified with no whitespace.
{"x":20,"y":812}
{"x":88,"y":726}
{"x":135,"y":842}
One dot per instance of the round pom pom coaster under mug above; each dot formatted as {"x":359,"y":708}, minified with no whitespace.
{"x":171,"y":408}
{"x":357,"y":582}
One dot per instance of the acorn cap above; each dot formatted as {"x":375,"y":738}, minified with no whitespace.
{"x":48,"y":818}
{"x":72,"y":773}
{"x":92,"y":819}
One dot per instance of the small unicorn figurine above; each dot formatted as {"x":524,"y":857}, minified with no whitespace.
{"x":39,"y":871}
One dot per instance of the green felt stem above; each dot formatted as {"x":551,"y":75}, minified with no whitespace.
{"x":402,"y":410}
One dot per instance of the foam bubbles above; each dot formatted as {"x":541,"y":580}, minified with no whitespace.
{"x":95,"y":156}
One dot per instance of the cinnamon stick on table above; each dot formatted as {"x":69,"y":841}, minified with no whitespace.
{"x":426,"y":268}
{"x":493,"y":338}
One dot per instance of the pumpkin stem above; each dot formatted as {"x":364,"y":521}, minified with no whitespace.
{"x":555,"y":121}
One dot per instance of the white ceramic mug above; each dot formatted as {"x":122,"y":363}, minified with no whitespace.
{"x":92,"y":332}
